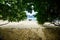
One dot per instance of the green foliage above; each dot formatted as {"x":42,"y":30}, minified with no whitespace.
{"x":12,"y":10}
{"x":41,"y":7}
{"x":48,"y":10}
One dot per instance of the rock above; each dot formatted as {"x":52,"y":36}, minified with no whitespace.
{"x":48,"y":24}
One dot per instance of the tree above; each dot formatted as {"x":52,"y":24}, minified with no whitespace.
{"x":41,"y":7}
{"x":48,"y":10}
{"x":12,"y":10}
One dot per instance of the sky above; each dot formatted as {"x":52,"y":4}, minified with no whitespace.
{"x":30,"y":15}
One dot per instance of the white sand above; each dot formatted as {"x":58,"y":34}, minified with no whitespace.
{"x":33,"y":25}
{"x":21,"y":24}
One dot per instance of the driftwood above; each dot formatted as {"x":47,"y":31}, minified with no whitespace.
{"x":4,"y":24}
